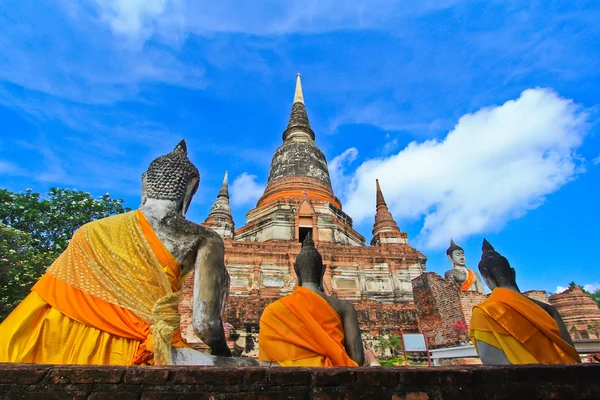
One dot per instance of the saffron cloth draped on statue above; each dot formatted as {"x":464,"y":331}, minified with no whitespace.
{"x":524,"y":331}
{"x":302,"y":330}
{"x":110,"y":298}
{"x":470,"y":279}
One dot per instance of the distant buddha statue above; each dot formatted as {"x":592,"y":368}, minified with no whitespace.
{"x":468,"y":280}
{"x":309,"y":328}
{"x":112,"y":296}
{"x":509,"y":328}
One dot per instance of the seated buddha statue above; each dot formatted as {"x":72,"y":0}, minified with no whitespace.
{"x":509,"y":328}
{"x":309,"y":328}
{"x":111,"y":298}
{"x":467,"y":279}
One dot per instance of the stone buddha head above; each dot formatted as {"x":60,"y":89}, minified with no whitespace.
{"x":309,"y":264}
{"x":171,"y":178}
{"x":456,"y":255}
{"x":495,"y":268}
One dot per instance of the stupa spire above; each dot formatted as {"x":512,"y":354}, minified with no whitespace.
{"x":380,"y":199}
{"x":298,"y":96}
{"x":224,"y":192}
{"x":220,"y":219}
{"x":298,"y":128}
{"x":385,"y":229}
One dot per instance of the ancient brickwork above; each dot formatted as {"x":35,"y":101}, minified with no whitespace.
{"x":468,"y":300}
{"x":440,"y":304}
{"x":579,"y":312}
{"x":539,"y":295}
{"x":375,"y":280}
{"x":19,"y":381}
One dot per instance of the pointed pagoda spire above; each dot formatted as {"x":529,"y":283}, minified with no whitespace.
{"x":224,"y":192}
{"x":380,"y":199}
{"x":385,"y":229}
{"x":298,"y":126}
{"x":298,"y":97}
{"x":220,"y":219}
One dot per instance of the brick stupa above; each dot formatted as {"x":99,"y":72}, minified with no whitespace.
{"x":578,"y":311}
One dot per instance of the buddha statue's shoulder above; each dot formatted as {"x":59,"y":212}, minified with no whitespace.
{"x":341,"y":307}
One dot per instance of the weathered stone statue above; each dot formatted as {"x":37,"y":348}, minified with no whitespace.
{"x":467,"y":279}
{"x":509,"y":328}
{"x":309,"y":328}
{"x":112,"y":297}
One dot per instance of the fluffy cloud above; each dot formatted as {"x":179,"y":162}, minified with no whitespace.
{"x":338,"y":167}
{"x":592,"y":287}
{"x":494,"y":166}
{"x":245,"y":190}
{"x":596,"y":160}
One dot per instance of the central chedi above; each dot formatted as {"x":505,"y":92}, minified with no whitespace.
{"x":299,"y":199}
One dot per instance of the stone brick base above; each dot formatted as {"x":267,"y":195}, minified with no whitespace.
{"x":30,"y":381}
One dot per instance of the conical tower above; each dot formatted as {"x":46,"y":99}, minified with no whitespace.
{"x":220,"y":219}
{"x":299,"y":196}
{"x":385,"y":229}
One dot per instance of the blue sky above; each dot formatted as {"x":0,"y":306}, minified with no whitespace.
{"x":478,"y":118}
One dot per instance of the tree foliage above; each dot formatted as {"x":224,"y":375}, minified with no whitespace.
{"x":35,"y":230}
{"x":595,"y":295}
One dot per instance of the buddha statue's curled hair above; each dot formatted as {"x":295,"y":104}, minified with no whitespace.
{"x":309,"y":262}
{"x":168,"y":176}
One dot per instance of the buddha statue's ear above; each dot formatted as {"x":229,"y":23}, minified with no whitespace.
{"x":321,"y":285}
{"x":297,"y":274}
{"x":144,"y":188}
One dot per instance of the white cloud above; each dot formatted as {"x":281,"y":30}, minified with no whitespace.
{"x":592,"y":287}
{"x":245,"y":190}
{"x":596,"y":160}
{"x":338,"y":167}
{"x":140,"y":19}
{"x":560,"y":289}
{"x":494,"y":166}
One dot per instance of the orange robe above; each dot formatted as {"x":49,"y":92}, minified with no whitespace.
{"x":58,"y":323}
{"x":302,"y":330}
{"x":470,"y":279}
{"x":524,"y":331}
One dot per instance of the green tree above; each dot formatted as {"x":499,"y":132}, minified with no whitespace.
{"x":595,"y":295}
{"x":394,"y":344}
{"x":34,"y":231}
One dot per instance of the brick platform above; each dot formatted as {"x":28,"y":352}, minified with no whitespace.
{"x":77,"y":382}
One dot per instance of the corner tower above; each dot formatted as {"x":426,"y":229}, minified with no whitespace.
{"x":299,"y":197}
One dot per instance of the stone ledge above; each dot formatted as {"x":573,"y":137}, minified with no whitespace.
{"x":480,"y":382}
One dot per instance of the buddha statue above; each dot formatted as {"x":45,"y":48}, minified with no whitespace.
{"x":509,"y":328}
{"x":468,"y":280}
{"x":112,"y":297}
{"x":309,"y":328}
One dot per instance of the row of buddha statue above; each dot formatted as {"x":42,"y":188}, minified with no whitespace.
{"x":112,"y":297}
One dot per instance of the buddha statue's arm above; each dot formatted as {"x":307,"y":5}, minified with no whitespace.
{"x":491,"y":355}
{"x":564,"y":333}
{"x":211,"y":287}
{"x":449,"y":275}
{"x":352,"y":339}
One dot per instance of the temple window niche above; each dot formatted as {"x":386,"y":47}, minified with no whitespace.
{"x":305,"y":222}
{"x":303,"y":231}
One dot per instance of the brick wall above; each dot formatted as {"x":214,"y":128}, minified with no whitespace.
{"x":402,"y":383}
{"x":539,"y":295}
{"x":440,"y":303}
